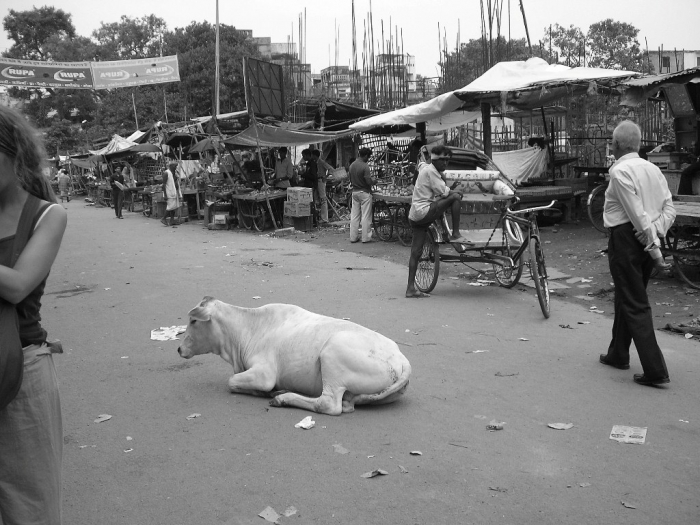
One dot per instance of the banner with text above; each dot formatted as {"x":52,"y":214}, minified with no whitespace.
{"x":138,"y":72}
{"x":32,"y":73}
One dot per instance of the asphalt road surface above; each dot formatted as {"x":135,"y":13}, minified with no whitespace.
{"x":478,"y":354}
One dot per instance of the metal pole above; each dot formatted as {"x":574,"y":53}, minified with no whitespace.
{"x":135,"y":115}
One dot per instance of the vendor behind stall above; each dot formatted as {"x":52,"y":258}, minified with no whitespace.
{"x":284,"y":172}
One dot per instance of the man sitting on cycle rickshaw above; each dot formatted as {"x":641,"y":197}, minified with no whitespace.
{"x":431,"y":199}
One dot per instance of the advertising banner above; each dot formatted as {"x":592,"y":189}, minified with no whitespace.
{"x":32,"y":73}
{"x":139,"y":72}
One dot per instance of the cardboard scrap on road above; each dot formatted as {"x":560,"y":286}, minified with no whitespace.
{"x":632,"y":435}
{"x":103,"y":417}
{"x":374,"y":473}
{"x":270,"y":515}
{"x":340,"y":449}
{"x":193,"y":416}
{"x":560,"y":426}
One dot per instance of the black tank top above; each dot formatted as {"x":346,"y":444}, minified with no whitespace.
{"x":28,"y":310}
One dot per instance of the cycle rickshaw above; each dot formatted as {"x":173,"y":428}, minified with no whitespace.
{"x":496,"y":234}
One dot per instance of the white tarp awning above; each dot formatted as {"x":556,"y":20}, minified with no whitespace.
{"x":523,"y":85}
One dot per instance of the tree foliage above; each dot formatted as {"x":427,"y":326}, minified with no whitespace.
{"x":564,"y":45}
{"x":47,"y":33}
{"x":30,"y":30}
{"x":614,"y":45}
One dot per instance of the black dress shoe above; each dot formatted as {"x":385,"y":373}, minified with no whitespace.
{"x":641,"y":379}
{"x":605,"y":361}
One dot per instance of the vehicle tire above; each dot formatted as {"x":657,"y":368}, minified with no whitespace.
{"x":595,"y":205}
{"x":538,"y":271}
{"x":509,"y":276}
{"x":382,"y":220}
{"x":404,"y":231}
{"x":428,"y":265}
{"x":258,"y":218}
{"x":244,"y":214}
{"x":686,"y":254}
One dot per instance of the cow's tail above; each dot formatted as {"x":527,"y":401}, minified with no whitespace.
{"x":391,"y":392}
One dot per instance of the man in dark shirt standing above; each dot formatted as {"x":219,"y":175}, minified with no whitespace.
{"x":362,"y":182}
{"x":117,"y":183}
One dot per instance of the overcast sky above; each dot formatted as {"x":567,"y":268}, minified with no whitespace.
{"x":671,"y":23}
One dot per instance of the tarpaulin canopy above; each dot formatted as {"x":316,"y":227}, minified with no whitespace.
{"x":271,"y":136}
{"x":639,"y":89}
{"x":120,"y":147}
{"x":523,"y":85}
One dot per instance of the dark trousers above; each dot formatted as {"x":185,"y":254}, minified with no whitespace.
{"x":118,"y":197}
{"x":630,"y":267}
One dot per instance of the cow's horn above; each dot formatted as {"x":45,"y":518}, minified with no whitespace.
{"x":199,"y":313}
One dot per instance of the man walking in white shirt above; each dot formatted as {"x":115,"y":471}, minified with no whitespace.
{"x":638,"y":209}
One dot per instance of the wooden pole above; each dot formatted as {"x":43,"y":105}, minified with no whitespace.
{"x":216,"y":71}
{"x":486,"y":128}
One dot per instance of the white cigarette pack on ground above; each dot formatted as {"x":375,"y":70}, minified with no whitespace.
{"x":634,"y":435}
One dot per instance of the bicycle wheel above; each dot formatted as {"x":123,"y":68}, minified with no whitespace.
{"x":404,"y":231}
{"x":509,"y":276}
{"x":595,"y":205}
{"x":258,"y":218}
{"x":428,"y":265}
{"x":538,"y":271}
{"x":382,"y":220}
{"x":686,"y":255}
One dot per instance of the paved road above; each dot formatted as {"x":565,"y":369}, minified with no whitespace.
{"x":115,"y":281}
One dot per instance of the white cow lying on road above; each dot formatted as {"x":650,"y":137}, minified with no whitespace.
{"x":303,"y":359}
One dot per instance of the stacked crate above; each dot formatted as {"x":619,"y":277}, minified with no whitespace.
{"x":297,"y":208}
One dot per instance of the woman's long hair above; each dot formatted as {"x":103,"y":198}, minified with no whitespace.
{"x":19,"y":140}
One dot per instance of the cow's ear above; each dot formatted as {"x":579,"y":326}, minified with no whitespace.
{"x":200,"y":314}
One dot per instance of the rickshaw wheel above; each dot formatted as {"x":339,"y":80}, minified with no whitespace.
{"x":428,"y":265}
{"x":381,"y":220}
{"x":244,"y":215}
{"x":258,"y":218}
{"x":538,"y":272}
{"x":687,"y":263}
{"x":509,"y":276}
{"x":404,"y":231}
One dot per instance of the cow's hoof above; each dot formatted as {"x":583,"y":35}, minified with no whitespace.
{"x":276,"y":402}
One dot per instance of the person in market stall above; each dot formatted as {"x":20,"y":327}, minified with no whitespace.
{"x":638,"y":209}
{"x":31,"y":426}
{"x":129,"y":174}
{"x":64,"y":185}
{"x":362,"y":182}
{"x":323,"y":169}
{"x":431,"y":198}
{"x":117,"y":184}
{"x":171,"y":192}
{"x":284,"y":171}
{"x":309,"y":174}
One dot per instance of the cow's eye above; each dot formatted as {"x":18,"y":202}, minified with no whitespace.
{"x":192,"y":321}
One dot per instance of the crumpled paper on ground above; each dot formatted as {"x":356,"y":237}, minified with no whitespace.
{"x":306,"y":423}
{"x":167,"y":333}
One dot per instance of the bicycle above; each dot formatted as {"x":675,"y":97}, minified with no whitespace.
{"x":519,"y":232}
{"x":595,"y":205}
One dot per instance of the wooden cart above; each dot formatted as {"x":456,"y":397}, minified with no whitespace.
{"x":255,"y":209}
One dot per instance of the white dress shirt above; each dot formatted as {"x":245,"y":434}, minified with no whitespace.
{"x":638,"y":193}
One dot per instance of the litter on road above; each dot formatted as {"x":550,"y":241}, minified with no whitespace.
{"x":495,"y":425}
{"x":306,"y":423}
{"x":167,"y":333}
{"x":103,"y":417}
{"x":560,"y":426}
{"x":633,"y":435}
{"x":374,"y":473}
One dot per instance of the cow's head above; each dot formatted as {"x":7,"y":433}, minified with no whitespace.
{"x":203,"y":334}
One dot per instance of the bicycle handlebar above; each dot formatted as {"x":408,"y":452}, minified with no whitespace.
{"x":530,"y":210}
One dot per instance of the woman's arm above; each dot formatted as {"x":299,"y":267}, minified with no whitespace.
{"x":36,"y":259}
